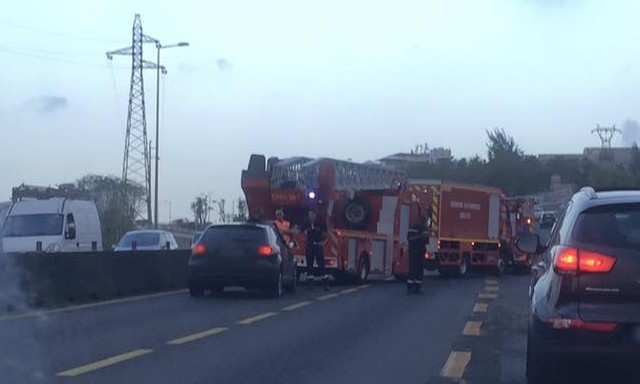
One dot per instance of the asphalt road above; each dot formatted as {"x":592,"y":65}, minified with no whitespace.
{"x":374,"y":333}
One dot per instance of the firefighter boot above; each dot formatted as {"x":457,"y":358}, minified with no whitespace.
{"x":410,"y":288}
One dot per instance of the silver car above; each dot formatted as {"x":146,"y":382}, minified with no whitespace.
{"x":147,"y":240}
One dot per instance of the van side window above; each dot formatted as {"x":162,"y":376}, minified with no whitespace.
{"x":70,"y":231}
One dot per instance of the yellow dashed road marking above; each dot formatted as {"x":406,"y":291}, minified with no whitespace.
{"x":472,"y":328}
{"x":456,"y":364}
{"x":480,"y":307}
{"x":327,"y":297}
{"x":491,"y":282}
{"x":104,"y":363}
{"x":487,"y":296}
{"x":492,"y":288}
{"x":364,"y":286}
{"x":350,"y":290}
{"x":253,"y":319}
{"x":197,"y":336}
{"x":293,"y":307}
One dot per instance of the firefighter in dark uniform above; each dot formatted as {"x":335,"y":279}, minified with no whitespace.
{"x":418,"y":238}
{"x":316,"y":233}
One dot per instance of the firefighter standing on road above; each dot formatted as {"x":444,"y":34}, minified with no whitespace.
{"x":284,"y":226}
{"x":316,"y":233}
{"x":418,"y":239}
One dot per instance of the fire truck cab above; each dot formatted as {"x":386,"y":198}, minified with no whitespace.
{"x":367,"y":210}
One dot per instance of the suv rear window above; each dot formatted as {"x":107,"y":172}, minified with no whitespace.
{"x":234,"y":234}
{"x":616,"y":225}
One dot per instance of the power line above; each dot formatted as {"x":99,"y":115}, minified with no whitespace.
{"x":39,"y":51}
{"x":54,"y":59}
{"x":55,"y":33}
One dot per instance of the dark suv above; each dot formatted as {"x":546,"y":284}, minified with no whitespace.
{"x":250,"y":255}
{"x":585,"y":292}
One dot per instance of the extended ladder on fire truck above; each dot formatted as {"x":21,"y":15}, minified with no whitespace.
{"x":304,"y":172}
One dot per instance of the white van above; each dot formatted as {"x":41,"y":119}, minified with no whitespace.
{"x":52,"y":225}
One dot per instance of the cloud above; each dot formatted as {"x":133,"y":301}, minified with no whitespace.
{"x":47,"y":104}
{"x":630,"y":132}
{"x":223,"y":64}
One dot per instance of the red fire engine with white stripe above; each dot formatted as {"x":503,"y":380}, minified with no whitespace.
{"x":472,"y":228}
{"x":367,"y":209}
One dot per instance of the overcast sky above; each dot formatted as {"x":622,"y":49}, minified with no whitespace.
{"x":345,"y":79}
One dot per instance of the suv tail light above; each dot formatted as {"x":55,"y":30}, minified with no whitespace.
{"x":198,"y":249}
{"x":265,"y":250}
{"x":569,"y":259}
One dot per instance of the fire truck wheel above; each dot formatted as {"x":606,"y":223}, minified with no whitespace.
{"x":356,"y":213}
{"x":463,"y":268}
{"x":499,"y":268}
{"x":363,"y":268}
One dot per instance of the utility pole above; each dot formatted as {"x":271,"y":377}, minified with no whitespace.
{"x":157,"y":153}
{"x":606,"y":134}
{"x":136,"y":163}
{"x":137,"y":156}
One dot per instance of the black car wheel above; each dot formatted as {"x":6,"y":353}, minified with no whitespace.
{"x":538,"y":369}
{"x":276,"y":287}
{"x":294,"y":282}
{"x":196,"y":291}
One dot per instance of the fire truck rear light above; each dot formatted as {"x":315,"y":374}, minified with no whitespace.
{"x":312,"y":195}
{"x":582,"y":325}
{"x":198,"y":249}
{"x":265,"y":250}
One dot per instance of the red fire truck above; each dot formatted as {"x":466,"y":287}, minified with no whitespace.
{"x":472,"y":227}
{"x":367,"y":209}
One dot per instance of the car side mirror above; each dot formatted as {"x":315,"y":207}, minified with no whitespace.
{"x":167,"y":245}
{"x":70,"y":233}
{"x":134,"y":245}
{"x":529,"y":243}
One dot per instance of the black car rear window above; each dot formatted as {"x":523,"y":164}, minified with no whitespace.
{"x":234,"y":234}
{"x":615,"y":225}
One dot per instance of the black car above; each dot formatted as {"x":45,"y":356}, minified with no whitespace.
{"x":250,"y":255}
{"x":585,"y":292}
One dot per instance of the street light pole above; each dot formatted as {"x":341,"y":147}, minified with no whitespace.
{"x":155,"y":192}
{"x":157,"y":152}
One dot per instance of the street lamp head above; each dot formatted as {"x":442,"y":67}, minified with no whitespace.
{"x":183,"y":44}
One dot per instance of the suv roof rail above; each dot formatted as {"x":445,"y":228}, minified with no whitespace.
{"x":591,"y":193}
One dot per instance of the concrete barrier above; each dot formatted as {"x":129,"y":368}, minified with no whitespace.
{"x":36,"y":280}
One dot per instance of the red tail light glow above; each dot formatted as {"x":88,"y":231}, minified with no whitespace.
{"x":198,"y":249}
{"x":569,"y":259}
{"x":582,"y":325}
{"x":265,"y":250}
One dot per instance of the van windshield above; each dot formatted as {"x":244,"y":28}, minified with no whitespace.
{"x":49,"y":224}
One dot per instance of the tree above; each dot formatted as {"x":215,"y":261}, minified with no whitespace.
{"x":505,"y":162}
{"x":117,"y":204}
{"x":201,"y":208}
{"x":241,"y":215}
